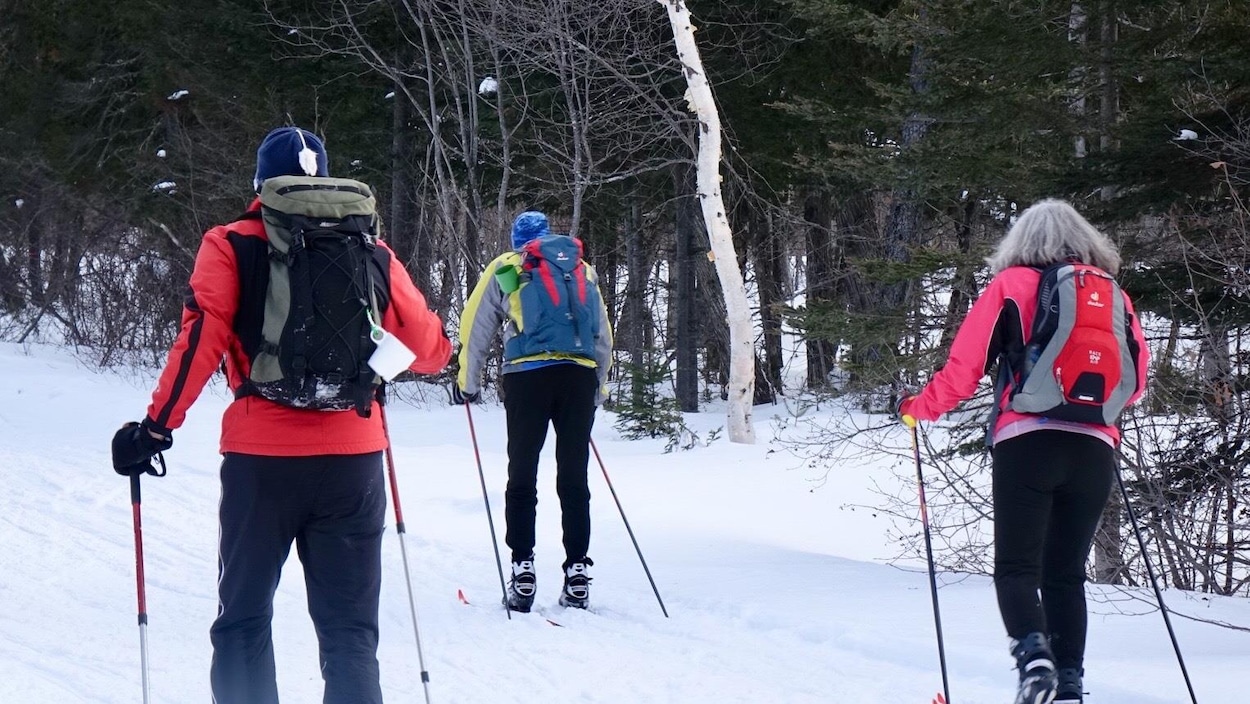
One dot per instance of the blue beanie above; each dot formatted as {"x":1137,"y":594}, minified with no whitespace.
{"x":527,"y":226}
{"x":281,"y":153}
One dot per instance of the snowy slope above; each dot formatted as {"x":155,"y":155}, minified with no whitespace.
{"x":776,"y":594}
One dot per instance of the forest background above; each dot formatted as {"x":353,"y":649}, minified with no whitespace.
{"x":875,"y":152}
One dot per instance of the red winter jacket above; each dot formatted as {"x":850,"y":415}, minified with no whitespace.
{"x":1000,"y":321}
{"x":254,"y":425}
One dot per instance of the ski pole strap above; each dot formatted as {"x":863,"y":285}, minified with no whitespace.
{"x":152,"y":468}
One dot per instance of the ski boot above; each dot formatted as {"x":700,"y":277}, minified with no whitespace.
{"x":576,"y":592}
{"x":1071,"y":690}
{"x":521,"y":587}
{"x":1038,"y":683}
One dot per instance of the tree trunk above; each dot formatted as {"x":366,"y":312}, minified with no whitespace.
{"x":34,"y":261}
{"x":886,"y":302}
{"x":963,"y":287}
{"x":713,"y":328}
{"x":769,"y":272}
{"x":501,"y":225}
{"x":1109,"y":567}
{"x":1108,"y":107}
{"x":1078,"y":33}
{"x":685,"y":331}
{"x":569,"y":88}
{"x":821,"y":289}
{"x":635,"y":316}
{"x":1216,"y":370}
{"x":402,"y":228}
{"x":902,"y":228}
{"x":1230,"y":538}
{"x":737,"y":306}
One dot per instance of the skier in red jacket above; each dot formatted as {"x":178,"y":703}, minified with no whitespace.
{"x":1051,"y":477}
{"x":290,"y":474}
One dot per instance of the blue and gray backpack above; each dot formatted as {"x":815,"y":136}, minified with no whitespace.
{"x":560,"y":305}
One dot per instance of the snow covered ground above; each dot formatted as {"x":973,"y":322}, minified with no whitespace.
{"x":776,"y":592}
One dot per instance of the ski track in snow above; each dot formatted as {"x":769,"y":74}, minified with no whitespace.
{"x":776,"y":593}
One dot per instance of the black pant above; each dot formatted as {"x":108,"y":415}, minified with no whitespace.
{"x":563,"y":395}
{"x":1050,"y":487}
{"x":333,"y":508}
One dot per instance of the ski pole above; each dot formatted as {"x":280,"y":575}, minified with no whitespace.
{"x":136,"y":500}
{"x":1163,"y":609}
{"x":627,"y":528}
{"x":403,"y":551}
{"x":928,"y":550}
{"x":486,"y":500}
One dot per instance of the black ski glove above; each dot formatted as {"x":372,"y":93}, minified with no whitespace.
{"x":460,"y":398}
{"x":134,"y":447}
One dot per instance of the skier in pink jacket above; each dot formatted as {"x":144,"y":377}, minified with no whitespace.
{"x":1051,"y":477}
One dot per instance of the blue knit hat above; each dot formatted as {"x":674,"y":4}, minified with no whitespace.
{"x":290,"y":151}
{"x":527,"y":226}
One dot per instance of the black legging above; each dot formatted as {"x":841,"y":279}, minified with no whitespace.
{"x":564,"y":396}
{"x":1050,"y":487}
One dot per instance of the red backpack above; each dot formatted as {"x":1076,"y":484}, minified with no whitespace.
{"x":1078,"y":363}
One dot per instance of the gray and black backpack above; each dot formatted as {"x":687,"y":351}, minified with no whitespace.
{"x":311,"y":297}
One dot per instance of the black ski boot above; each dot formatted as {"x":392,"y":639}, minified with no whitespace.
{"x":1071,"y":690}
{"x":1036,"y":664}
{"x":521,"y":587}
{"x":576,"y":592}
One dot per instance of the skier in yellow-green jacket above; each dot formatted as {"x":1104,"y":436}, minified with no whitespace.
{"x":545,"y":301}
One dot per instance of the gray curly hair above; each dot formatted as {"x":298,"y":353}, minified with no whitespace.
{"x":1051,"y":231}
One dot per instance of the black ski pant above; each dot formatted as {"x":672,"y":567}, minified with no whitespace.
{"x":333,"y":508}
{"x":564,"y":396}
{"x":1050,"y":488}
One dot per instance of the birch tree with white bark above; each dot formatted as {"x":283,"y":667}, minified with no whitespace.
{"x":737,"y":306}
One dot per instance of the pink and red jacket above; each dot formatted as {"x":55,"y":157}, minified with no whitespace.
{"x":999,"y":324}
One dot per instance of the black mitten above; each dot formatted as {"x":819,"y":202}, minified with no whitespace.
{"x":134,"y":447}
